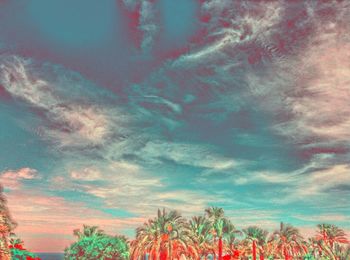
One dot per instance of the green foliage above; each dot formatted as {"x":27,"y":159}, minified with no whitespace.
{"x":255,"y":233}
{"x":217,"y":218}
{"x":17,"y":250}
{"x":18,"y":254}
{"x":200,"y":228}
{"x":95,"y":244}
{"x":308,"y":257}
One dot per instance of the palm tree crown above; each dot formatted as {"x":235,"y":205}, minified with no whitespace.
{"x":288,"y":241}
{"x":168,"y":234}
{"x":200,"y":228}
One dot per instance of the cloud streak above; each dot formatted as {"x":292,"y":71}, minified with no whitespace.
{"x":72,"y":123}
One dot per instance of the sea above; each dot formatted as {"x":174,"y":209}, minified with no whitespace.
{"x":50,"y":256}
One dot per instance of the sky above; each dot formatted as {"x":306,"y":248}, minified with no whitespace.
{"x":110,"y":110}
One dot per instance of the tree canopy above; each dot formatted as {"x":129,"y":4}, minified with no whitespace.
{"x":93,"y":243}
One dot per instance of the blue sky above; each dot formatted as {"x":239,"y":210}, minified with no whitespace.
{"x":109,"y":111}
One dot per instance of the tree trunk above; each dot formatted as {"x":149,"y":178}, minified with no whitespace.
{"x":285,"y":253}
{"x":261,"y":255}
{"x":254,"y":250}
{"x":170,"y":251}
{"x":158,"y":252}
{"x":220,"y":248}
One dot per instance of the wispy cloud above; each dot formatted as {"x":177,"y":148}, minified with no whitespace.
{"x":311,"y":97}
{"x":188,"y":154}
{"x":254,"y":22}
{"x":72,"y":120}
{"x":319,"y":182}
{"x":318,"y":101}
{"x":86,"y":174}
{"x":127,"y":186}
{"x":316,"y":187}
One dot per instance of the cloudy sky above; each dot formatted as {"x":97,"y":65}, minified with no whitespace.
{"x":109,"y":111}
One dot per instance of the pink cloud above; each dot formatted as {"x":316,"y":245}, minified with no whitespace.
{"x":23,"y":173}
{"x":11,"y":179}
{"x":46,"y":222}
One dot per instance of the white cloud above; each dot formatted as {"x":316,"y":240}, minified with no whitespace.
{"x":253,"y":22}
{"x":324,"y":108}
{"x":319,"y":181}
{"x":86,"y":174}
{"x":312,"y":88}
{"x":120,"y":184}
{"x":316,"y":187}
{"x":188,"y":154}
{"x":128,"y":186}
{"x":76,"y":123}
{"x":148,"y":24}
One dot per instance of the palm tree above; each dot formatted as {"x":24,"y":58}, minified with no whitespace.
{"x":342,"y":252}
{"x":200,"y":228}
{"x":218,"y":220}
{"x":229,"y":236}
{"x":288,"y":241}
{"x":183,"y":245}
{"x":168,"y":234}
{"x":257,"y":237}
{"x":176,"y":229}
{"x":315,"y":247}
{"x":147,"y":237}
{"x":330,"y":236}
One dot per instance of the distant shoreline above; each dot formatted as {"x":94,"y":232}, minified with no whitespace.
{"x":50,"y":256}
